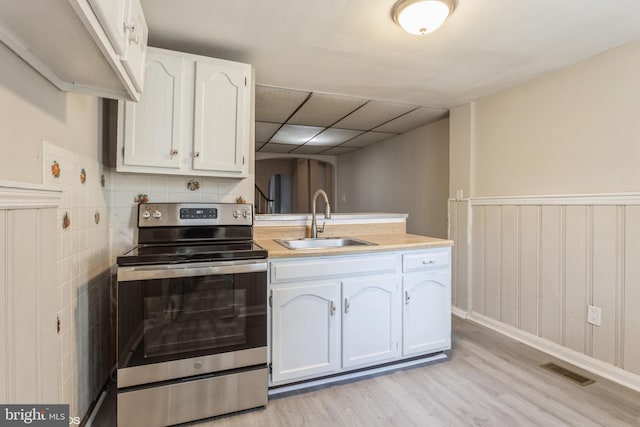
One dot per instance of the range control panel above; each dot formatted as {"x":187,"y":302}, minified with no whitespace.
{"x":198,"y":213}
{"x":177,"y":214}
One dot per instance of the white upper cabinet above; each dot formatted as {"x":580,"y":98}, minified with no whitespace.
{"x":194,"y":118}
{"x":112,"y":14}
{"x":221,"y":113}
{"x":80,"y":45}
{"x":135,"y":46}
{"x":153,"y":126}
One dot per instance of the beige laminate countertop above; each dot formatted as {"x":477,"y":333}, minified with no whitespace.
{"x":383,"y":242}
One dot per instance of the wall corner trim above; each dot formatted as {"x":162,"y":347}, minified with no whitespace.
{"x":20,"y":195}
{"x":597,"y":367}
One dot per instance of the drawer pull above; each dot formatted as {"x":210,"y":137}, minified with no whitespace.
{"x":428,"y":261}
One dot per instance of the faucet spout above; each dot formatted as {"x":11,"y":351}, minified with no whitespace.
{"x":327,"y":213}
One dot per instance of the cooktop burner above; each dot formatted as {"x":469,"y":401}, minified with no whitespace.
{"x":180,"y":253}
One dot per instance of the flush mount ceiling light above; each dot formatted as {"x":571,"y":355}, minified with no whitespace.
{"x":422,"y":16}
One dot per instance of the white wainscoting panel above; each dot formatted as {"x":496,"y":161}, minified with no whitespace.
{"x":477,"y":275}
{"x":510,"y":281}
{"x":631,"y":296}
{"x":529,"y":255}
{"x":605,"y":283}
{"x":550,"y":316}
{"x":577,"y":286}
{"x":28,"y":301}
{"x":458,"y":232}
{"x":536,"y":262}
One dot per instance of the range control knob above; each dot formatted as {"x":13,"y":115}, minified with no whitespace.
{"x":246,"y":214}
{"x":157,"y":214}
{"x":146,"y":214}
{"x":236,"y":214}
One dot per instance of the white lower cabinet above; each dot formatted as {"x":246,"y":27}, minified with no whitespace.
{"x":371,"y":320}
{"x":426,"y":312}
{"x":305,"y":337}
{"x":340,"y":313}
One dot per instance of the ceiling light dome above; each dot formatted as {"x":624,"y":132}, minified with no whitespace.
{"x":422,"y":16}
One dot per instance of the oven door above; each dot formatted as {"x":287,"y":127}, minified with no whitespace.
{"x":178,"y":320}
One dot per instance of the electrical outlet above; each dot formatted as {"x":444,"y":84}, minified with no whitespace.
{"x":594,"y":315}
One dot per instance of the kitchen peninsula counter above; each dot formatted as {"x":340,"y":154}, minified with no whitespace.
{"x":386,"y":230}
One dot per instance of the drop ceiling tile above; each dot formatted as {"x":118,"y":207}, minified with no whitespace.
{"x":276,"y":105}
{"x":277,"y":148}
{"x":264,"y":131}
{"x":295,"y":134}
{"x":323,"y":109}
{"x":309,"y":149}
{"x":259,"y":145}
{"x":336,"y":151}
{"x":368,"y":138}
{"x":333,"y":136}
{"x":373,"y":114}
{"x":412,"y":120}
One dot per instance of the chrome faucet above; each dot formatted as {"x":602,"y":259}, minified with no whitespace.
{"x":327,"y":213}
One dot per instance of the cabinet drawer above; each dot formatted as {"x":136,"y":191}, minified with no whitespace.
{"x":426,"y":260}
{"x":326,"y":267}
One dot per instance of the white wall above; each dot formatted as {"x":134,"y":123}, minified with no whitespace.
{"x":405,"y":174}
{"x":535,"y":260}
{"x":575,"y":131}
{"x":33,"y":110}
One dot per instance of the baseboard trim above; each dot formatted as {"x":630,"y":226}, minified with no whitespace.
{"x":580,"y":360}
{"x":277,"y":390}
{"x":458,"y":312}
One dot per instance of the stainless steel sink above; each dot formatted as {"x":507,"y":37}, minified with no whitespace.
{"x":322,"y":242}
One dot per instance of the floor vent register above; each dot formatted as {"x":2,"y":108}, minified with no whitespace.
{"x":570,"y":375}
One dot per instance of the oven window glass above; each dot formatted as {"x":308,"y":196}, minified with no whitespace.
{"x":168,"y":319}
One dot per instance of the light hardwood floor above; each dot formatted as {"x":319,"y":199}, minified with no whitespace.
{"x":489,"y":380}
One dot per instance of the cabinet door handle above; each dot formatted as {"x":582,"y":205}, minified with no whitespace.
{"x":174,"y":152}
{"x":332,"y":308}
{"x":407,"y":297}
{"x":133,"y":36}
{"x":196,"y":154}
{"x":346,"y":305}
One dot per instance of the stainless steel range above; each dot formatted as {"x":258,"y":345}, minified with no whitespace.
{"x":192,"y":315}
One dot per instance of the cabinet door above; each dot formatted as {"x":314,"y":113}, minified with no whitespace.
{"x":305,"y":331}
{"x":221,"y":117}
{"x":135,"y":50}
{"x":371,"y":320}
{"x":112,"y":15}
{"x":152,"y":127}
{"x":426,"y":312}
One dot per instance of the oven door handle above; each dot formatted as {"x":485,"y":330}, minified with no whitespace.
{"x":171,"y":271}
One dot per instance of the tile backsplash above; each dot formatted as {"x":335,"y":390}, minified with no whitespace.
{"x":83,"y":279}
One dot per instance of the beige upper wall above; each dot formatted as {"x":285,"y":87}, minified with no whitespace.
{"x":575,"y":131}
{"x":405,"y":174}
{"x":33,"y":110}
{"x":460,"y":135}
